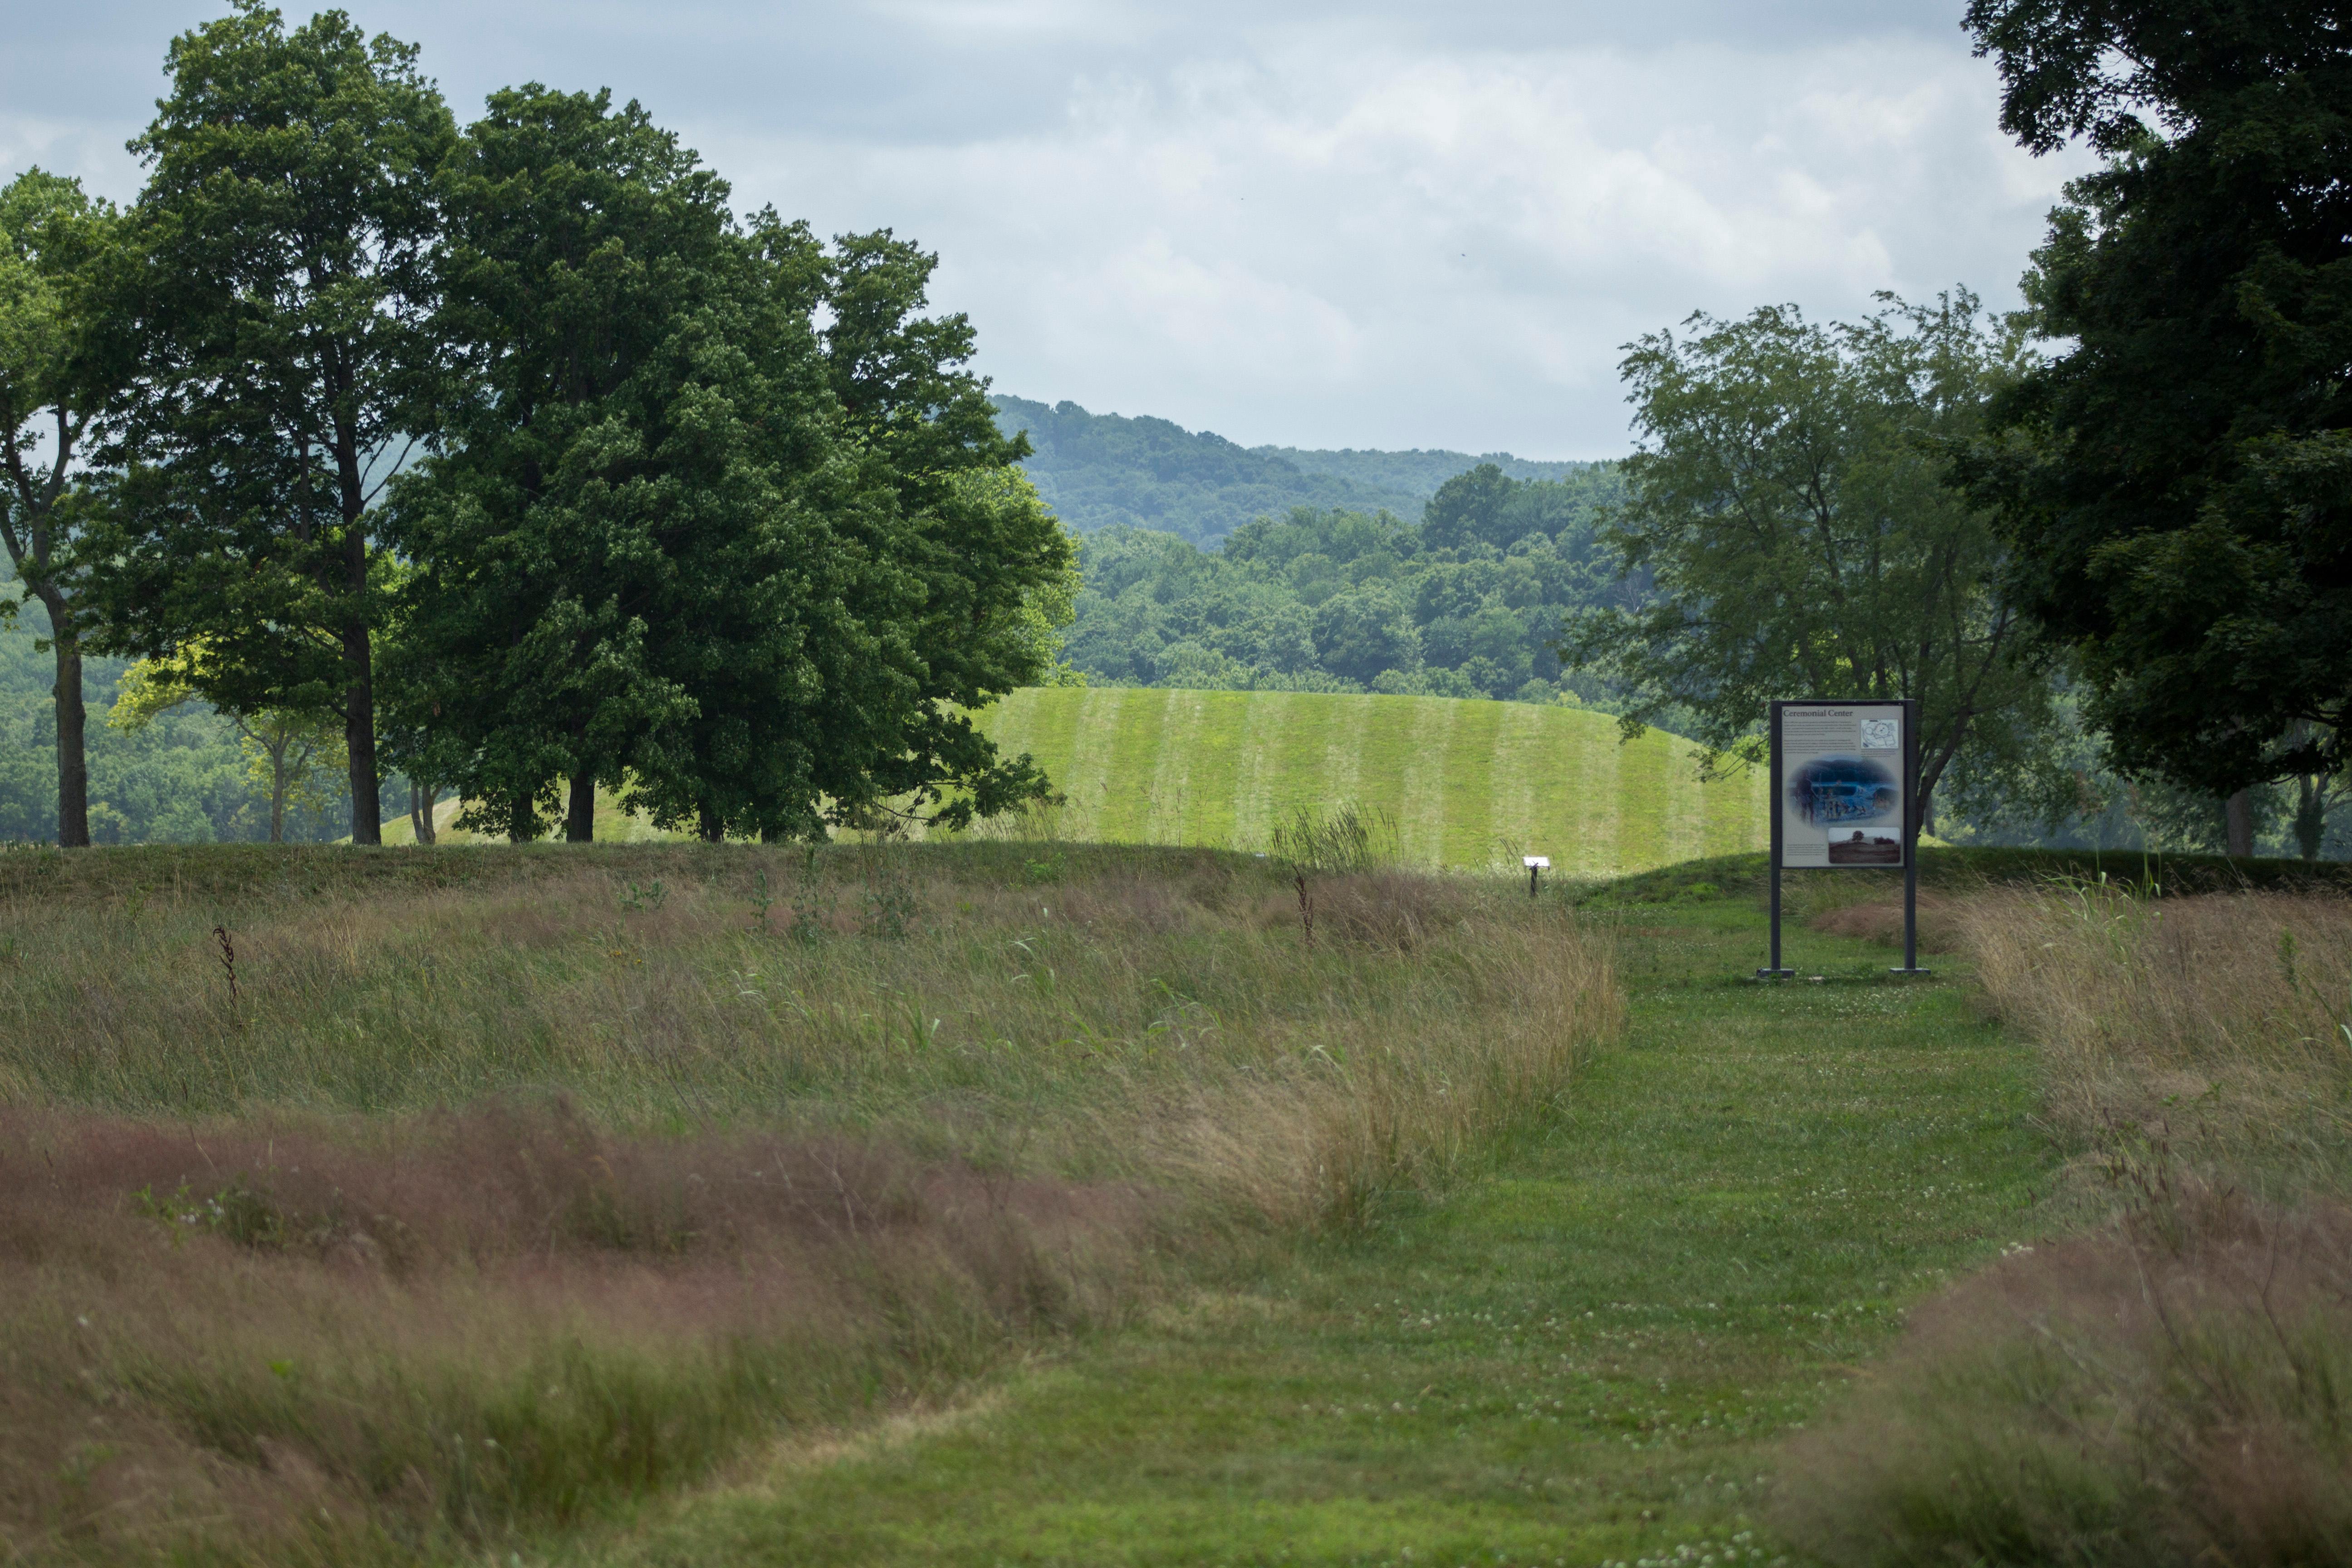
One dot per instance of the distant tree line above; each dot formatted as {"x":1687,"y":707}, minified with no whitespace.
{"x":509,"y":457}
{"x":1466,"y":603}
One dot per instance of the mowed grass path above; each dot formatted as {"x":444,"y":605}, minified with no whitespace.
{"x":1465,"y":783}
{"x":1588,"y":1355}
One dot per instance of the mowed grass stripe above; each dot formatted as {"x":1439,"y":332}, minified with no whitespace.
{"x":1260,"y":770}
{"x":1083,"y":771}
{"x":1465,"y":783}
{"x":1165,"y":799}
{"x":1216,"y":768}
{"x":1135,"y":760}
{"x":1518,"y":761}
{"x":1420,"y":773}
{"x":1470,"y":815}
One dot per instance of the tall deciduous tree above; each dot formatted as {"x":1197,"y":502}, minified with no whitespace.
{"x":53,"y":238}
{"x":276,"y":321}
{"x":676,"y":541}
{"x":1788,"y":498}
{"x":2175,"y":484}
{"x":581,"y":242}
{"x":983,"y":553}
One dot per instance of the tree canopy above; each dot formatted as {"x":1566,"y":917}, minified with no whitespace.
{"x":1787,"y":501}
{"x":1110,"y":470}
{"x":272,"y":320}
{"x":54,"y":242}
{"x":713,"y":518}
{"x":517,"y":449}
{"x":2174,"y":482}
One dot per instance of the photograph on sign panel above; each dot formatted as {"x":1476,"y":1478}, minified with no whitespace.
{"x":1857,"y":804}
{"x":1842,"y":786}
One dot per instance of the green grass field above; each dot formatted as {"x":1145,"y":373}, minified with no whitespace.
{"x":1466,"y":785}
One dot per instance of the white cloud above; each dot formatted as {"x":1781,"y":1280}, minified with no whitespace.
{"x":1389,"y":247}
{"x":1371,"y":224}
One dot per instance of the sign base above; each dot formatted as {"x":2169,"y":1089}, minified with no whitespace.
{"x":1776,"y":974}
{"x":1898,"y":969}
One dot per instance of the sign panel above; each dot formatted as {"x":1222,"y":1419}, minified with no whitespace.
{"x":1842,"y":787}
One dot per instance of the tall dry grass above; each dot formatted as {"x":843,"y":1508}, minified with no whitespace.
{"x":2216,"y":1024}
{"x":477,"y":1208}
{"x":2172,"y":1386}
{"x":2168,"y":1393}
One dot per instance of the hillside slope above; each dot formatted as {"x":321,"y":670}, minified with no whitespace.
{"x":1467,"y":784}
{"x":1419,"y":471}
{"x":1103,"y":470}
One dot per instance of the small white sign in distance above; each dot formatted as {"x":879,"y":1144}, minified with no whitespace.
{"x":1536,"y":862}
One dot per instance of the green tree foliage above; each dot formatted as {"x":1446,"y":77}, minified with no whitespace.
{"x":181,"y":779}
{"x":1788,"y":500}
{"x":678,"y":540}
{"x":1341,"y":601}
{"x":583,"y":247}
{"x":273,"y":325}
{"x":1105,"y":470}
{"x":2176,"y":483}
{"x":992,"y":567}
{"x":53,"y":239}
{"x":290,"y":757}
{"x":1419,"y":472}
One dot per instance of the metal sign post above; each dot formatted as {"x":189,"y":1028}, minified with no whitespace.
{"x":1773,"y":854}
{"x":1839,"y":770}
{"x":1911,"y":814}
{"x":1537,"y":866}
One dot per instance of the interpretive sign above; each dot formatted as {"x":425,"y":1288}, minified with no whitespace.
{"x":1845,"y":787}
{"x":1842,"y":783}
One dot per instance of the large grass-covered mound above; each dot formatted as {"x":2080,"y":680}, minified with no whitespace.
{"x":1465,"y":784}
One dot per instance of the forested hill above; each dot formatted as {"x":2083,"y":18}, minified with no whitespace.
{"x":1418,"y":472}
{"x":1101,"y":470}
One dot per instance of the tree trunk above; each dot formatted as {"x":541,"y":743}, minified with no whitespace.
{"x":580,"y":821}
{"x":359,"y":735}
{"x":420,"y":812}
{"x":359,"y":672}
{"x":2310,"y":816}
{"x":73,"y":721}
{"x":278,"y":788}
{"x":713,"y":827}
{"x":2240,"y":815}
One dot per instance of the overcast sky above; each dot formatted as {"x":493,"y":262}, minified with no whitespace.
{"x":1374,"y":225}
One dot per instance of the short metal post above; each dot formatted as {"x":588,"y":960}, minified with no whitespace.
{"x":1911,"y":817}
{"x":1533,"y":872}
{"x":1772,"y":854}
{"x":1911,"y":905}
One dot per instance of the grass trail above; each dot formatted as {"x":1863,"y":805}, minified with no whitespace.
{"x":1587,"y":1357}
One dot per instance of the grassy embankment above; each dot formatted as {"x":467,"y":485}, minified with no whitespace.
{"x":439,"y":1200}
{"x":1464,"y":784}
